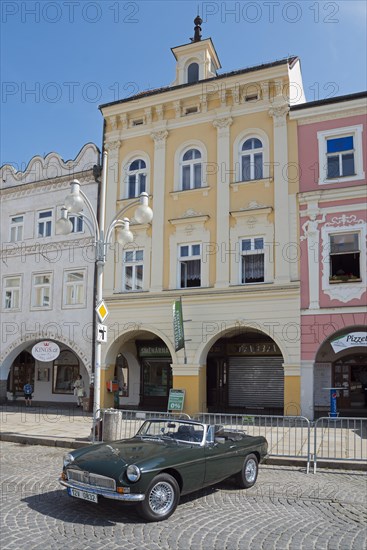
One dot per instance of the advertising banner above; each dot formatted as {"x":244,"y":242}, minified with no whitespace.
{"x":351,"y":340}
{"x":178,"y":329}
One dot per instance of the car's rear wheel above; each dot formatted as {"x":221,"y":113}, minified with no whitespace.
{"x":248,"y":474}
{"x":161,"y":498}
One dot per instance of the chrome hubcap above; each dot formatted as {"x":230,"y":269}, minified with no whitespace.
{"x":250,"y":471}
{"x":161,"y":498}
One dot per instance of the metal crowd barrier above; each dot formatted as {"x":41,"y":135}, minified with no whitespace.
{"x":340,"y":439}
{"x":334,"y":439}
{"x":288,"y":436}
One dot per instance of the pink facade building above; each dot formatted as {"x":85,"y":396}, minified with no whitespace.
{"x":332,"y":145}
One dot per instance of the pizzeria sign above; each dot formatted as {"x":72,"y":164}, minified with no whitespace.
{"x":351,"y":340}
{"x":46,"y":351}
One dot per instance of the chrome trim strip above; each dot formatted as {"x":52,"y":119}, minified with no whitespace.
{"x":128,"y":497}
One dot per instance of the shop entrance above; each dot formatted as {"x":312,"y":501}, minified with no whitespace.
{"x":350,"y":374}
{"x":245,"y":374}
{"x":156,"y":375}
{"x":21,"y":372}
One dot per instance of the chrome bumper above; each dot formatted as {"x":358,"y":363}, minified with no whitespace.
{"x":127,"y":497}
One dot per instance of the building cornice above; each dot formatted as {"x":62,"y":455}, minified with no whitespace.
{"x":331,"y":111}
{"x":335,"y":194}
{"x":262,"y":291}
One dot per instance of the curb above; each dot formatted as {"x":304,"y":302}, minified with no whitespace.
{"x":46,"y":441}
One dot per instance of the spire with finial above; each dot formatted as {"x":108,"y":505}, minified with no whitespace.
{"x":197,"y":29}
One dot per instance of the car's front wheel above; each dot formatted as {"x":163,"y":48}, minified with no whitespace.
{"x":248,"y":474}
{"x":161,"y":498}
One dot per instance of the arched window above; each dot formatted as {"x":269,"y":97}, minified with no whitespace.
{"x":251,"y":159}
{"x":136,"y":178}
{"x":192,"y":73}
{"x":191,"y":170}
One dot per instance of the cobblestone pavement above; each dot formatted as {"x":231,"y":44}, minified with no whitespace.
{"x":286,"y":510}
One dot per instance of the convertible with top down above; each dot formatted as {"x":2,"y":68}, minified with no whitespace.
{"x":164,"y":460}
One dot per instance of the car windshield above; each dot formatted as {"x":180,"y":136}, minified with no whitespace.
{"x":174,"y":430}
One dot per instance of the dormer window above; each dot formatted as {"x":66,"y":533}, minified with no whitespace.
{"x":193,"y":73}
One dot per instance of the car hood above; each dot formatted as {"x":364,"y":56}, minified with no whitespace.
{"x":110,"y":458}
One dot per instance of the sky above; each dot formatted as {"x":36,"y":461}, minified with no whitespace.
{"x":61,"y":59}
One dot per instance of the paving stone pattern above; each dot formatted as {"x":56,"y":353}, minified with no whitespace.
{"x":286,"y":510}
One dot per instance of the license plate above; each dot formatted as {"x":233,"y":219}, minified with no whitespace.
{"x":84,"y":495}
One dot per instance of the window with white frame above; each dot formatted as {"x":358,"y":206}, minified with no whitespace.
{"x":136,"y":178}
{"x":44,"y":223}
{"x":252,"y":260}
{"x":345,"y":257}
{"x":11,"y":292}
{"x":340,"y":157}
{"x":191,"y":170}
{"x":16,"y":228}
{"x":41,"y":290}
{"x":74,"y":288}
{"x":189,"y":265}
{"x":251,"y":159}
{"x":77,"y":223}
{"x":133,"y":270}
{"x":340,"y":154}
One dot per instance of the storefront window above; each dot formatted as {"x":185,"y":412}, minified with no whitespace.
{"x":65,"y":372}
{"x":156,"y":377}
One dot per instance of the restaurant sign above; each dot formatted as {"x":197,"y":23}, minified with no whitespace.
{"x":45,"y":351}
{"x":350,"y":340}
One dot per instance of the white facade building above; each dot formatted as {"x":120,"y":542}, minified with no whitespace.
{"x":47,"y":280}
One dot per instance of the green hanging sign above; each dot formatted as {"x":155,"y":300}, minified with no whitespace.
{"x":178,"y":329}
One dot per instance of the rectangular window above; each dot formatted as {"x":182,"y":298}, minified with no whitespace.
{"x":77,"y":223}
{"x":190,"y":265}
{"x":252,"y":260}
{"x":133,"y":270}
{"x":341,"y":154}
{"x":44,"y":223}
{"x":16,"y":228}
{"x":340,"y":157}
{"x":11,"y":293}
{"x":344,"y":258}
{"x":41,"y":293}
{"x":74,"y":288}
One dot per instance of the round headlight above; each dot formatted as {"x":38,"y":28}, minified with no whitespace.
{"x":68,"y":459}
{"x":132,"y":472}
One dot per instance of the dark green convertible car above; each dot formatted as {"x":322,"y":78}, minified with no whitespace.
{"x":166,"y":459}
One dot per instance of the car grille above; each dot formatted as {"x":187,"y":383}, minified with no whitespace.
{"x":93,"y":480}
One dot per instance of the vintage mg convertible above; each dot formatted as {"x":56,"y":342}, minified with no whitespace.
{"x":165,"y":459}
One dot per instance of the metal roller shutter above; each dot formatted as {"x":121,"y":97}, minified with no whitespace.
{"x":256,"y":382}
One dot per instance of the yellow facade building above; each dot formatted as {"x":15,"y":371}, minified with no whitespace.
{"x":217,"y":154}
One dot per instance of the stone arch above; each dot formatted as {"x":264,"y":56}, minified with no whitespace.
{"x":16,"y":347}
{"x":130,"y":333}
{"x":231,"y":330}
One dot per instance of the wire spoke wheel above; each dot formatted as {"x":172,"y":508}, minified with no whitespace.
{"x":161,"y":498}
{"x":251,"y":470}
{"x":247,"y":477}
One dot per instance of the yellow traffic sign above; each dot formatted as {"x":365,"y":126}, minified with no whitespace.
{"x":102,"y":311}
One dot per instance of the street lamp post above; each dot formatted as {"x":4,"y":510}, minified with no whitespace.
{"x":74,"y":204}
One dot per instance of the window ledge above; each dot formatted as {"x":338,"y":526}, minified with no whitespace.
{"x":342,"y":281}
{"x":265,"y":181}
{"x":204,"y":190}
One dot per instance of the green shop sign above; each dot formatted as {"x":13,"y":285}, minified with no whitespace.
{"x":176,"y":400}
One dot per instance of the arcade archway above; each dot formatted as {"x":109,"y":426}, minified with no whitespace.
{"x":245,"y":374}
